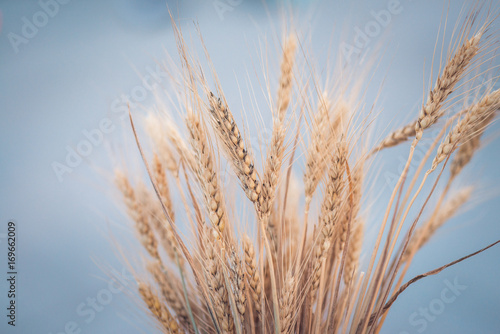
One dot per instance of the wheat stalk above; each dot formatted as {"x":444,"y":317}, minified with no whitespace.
{"x":303,"y":272}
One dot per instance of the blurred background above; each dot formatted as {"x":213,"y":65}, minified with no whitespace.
{"x":68,"y":68}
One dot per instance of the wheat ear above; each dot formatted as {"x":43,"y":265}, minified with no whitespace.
{"x":329,"y":214}
{"x":136,"y":212}
{"x":252,"y":274}
{"x":285,"y":84}
{"x":353,"y":252}
{"x":477,"y":114}
{"x":445,"y":84}
{"x":159,"y":310}
{"x":238,"y":282}
{"x":157,"y":134}
{"x":180,"y":145}
{"x":208,"y":178}
{"x":469,"y":147}
{"x":351,"y":213}
{"x":287,"y":305}
{"x":316,"y":152}
{"x":153,"y":211}
{"x":234,"y":146}
{"x":170,"y":293}
{"x":216,"y":285}
{"x":276,"y":150}
{"x":399,"y":136}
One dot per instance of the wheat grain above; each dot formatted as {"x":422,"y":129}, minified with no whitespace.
{"x":446,"y":82}
{"x":315,"y":156}
{"x":399,"y":136}
{"x":157,"y":133}
{"x":353,"y":208}
{"x":155,"y":218}
{"x":285,"y":84}
{"x":217,"y":286}
{"x":476,"y":115}
{"x":137,"y":213}
{"x":158,"y":309}
{"x":329,"y":213}
{"x":252,"y":274}
{"x":276,"y":151}
{"x":238,"y":282}
{"x":169,"y":291}
{"x":469,"y":147}
{"x":353,"y":252}
{"x":287,"y":304}
{"x":209,"y":181}
{"x":234,"y":146}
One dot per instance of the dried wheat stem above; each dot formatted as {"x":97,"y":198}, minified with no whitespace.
{"x":451,"y":75}
{"x":159,"y":310}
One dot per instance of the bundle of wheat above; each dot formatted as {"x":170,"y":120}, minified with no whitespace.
{"x":300,"y":272}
